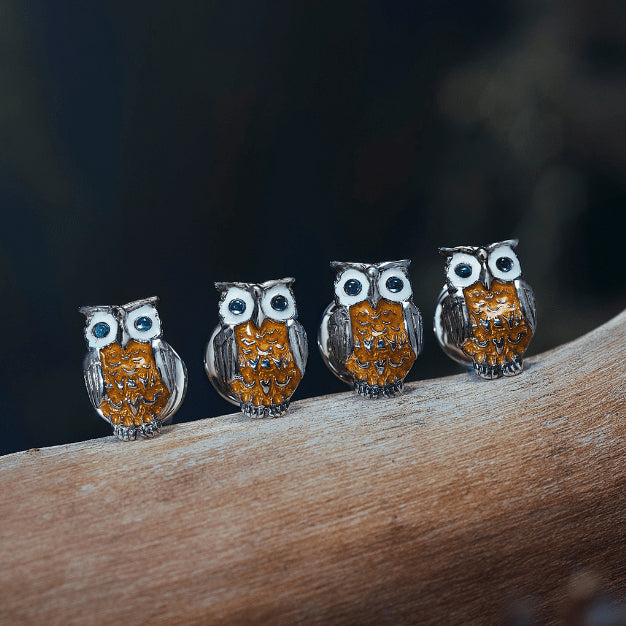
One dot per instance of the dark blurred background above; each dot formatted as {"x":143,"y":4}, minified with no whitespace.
{"x":152,"y":148}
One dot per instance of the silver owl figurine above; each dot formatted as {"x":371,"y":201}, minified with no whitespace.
{"x":485,"y":315}
{"x":257,"y":355}
{"x":371,"y":334}
{"x":134,"y":379}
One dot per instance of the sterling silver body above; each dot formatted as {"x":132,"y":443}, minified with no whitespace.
{"x":169,"y":364}
{"x":335,"y":339}
{"x":221,"y":356}
{"x":451,"y":332}
{"x":452,"y":324}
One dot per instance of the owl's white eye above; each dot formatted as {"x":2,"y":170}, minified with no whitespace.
{"x":504,"y":264}
{"x":278,"y":303}
{"x":463,"y":270}
{"x":237,"y":307}
{"x":143,"y":323}
{"x":394,"y":285}
{"x":352,"y":287}
{"x":101,"y":330}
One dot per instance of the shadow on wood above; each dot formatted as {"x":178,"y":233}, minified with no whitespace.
{"x":442,"y":506}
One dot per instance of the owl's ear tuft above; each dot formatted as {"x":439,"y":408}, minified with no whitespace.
{"x":89,"y":310}
{"x":446,"y":251}
{"x":511,"y":243}
{"x":135,"y":304}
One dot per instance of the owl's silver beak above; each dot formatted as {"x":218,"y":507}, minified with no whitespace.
{"x":486,"y":277}
{"x":259,"y":316}
{"x":125,"y":338}
{"x":374,"y":297}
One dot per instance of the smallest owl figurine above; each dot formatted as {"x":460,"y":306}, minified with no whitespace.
{"x":135,"y":380}
{"x":371,"y":334}
{"x":257,"y":354}
{"x":485,"y":315}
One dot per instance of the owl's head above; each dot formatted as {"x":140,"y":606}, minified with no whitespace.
{"x":241,"y":302}
{"x":466,"y":265}
{"x":356,"y":282}
{"x":107,"y":324}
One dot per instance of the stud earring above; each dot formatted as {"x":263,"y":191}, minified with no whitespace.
{"x":485,"y":315}
{"x":371,"y":334}
{"x":135,"y":380}
{"x":257,"y":355}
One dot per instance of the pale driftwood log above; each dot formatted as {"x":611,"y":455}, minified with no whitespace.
{"x":438,"y":507}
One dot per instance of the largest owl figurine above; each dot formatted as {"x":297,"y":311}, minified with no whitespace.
{"x":135,"y":380}
{"x":257,"y":354}
{"x":371,"y":334}
{"x":485,"y":315}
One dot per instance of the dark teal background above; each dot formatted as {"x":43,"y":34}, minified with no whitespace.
{"x":152,"y":148}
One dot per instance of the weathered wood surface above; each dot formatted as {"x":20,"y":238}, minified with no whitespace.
{"x":438,"y":507}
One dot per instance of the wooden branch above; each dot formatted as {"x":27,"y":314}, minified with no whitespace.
{"x":441,"y":506}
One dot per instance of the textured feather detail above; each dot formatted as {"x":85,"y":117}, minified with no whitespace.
{"x":455,"y":319}
{"x":168,"y":363}
{"x":299,"y":345}
{"x":340,"y":342}
{"x":225,"y":351}
{"x":526,"y":298}
{"x":415,"y":328}
{"x":94,"y":381}
{"x":166,"y":360}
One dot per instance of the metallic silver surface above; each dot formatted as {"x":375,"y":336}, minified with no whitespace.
{"x":169,"y":364}
{"x":452,"y":324}
{"x":221,"y":355}
{"x":335,"y":339}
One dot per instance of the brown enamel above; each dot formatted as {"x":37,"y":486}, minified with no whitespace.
{"x":386,"y":324}
{"x":500,"y":332}
{"x":134,"y":393}
{"x":276,"y":367}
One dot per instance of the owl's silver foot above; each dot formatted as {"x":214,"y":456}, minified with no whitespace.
{"x":125,"y":433}
{"x":514,"y":367}
{"x":378,"y":391}
{"x":510,"y":368}
{"x":273,"y":410}
{"x":151,"y":429}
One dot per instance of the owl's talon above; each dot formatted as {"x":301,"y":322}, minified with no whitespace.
{"x":273,"y":410}
{"x":125,"y":433}
{"x":377,"y":391}
{"x":490,"y":372}
{"x":151,"y":429}
{"x":486,"y":371}
{"x":514,"y":367}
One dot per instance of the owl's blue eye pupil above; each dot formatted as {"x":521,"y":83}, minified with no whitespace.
{"x":504,"y":264}
{"x":237,"y":307}
{"x":463,"y":270}
{"x":279,"y":303}
{"x":101,"y":330}
{"x":143,"y":323}
{"x":352,"y":287}
{"x":394,"y":284}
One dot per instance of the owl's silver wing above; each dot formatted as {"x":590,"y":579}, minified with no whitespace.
{"x":452,"y":325}
{"x":220,"y":361}
{"x":340,"y":343}
{"x":526,"y":298}
{"x":173,"y":374}
{"x":94,"y":380}
{"x":415,"y":328}
{"x":225,"y":350}
{"x":455,"y":319}
{"x":299,"y":344}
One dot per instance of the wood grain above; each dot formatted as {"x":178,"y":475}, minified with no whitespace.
{"x":442,"y":506}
